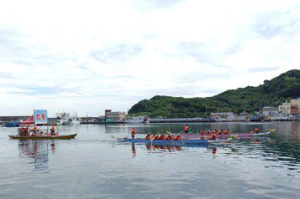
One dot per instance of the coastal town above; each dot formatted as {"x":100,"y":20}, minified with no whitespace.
{"x":287,"y":111}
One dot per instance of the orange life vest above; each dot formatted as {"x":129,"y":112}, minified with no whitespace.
{"x":186,"y":128}
{"x":214,"y":137}
{"x":178,"y":138}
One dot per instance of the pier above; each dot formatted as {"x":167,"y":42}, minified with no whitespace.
{"x":180,"y":120}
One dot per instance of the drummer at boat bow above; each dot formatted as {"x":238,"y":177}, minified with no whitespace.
{"x":35,"y":130}
{"x":53,"y":130}
{"x":133,"y":132}
{"x":256,"y":130}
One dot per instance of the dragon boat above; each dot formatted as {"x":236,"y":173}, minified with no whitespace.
{"x":174,"y":142}
{"x":43,"y":137}
{"x":223,"y":136}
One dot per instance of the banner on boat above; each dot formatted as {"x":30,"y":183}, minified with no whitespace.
{"x":40,"y":116}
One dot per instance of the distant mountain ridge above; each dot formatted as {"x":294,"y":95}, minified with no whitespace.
{"x":271,"y":93}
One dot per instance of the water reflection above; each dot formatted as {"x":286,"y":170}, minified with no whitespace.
{"x":154,"y":148}
{"x":163,"y":148}
{"x":37,"y":151}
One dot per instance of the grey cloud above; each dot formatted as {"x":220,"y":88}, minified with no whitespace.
{"x":5,"y":75}
{"x":254,"y":70}
{"x":124,"y":76}
{"x":20,"y":49}
{"x":157,"y":4}
{"x":11,"y":46}
{"x":38,"y":91}
{"x":194,"y":77}
{"x":182,"y":90}
{"x":276,"y":23}
{"x":83,"y":67}
{"x":196,"y":50}
{"x":119,"y":53}
{"x":201,"y":53}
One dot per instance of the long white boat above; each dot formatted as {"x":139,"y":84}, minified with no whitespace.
{"x":139,"y":119}
{"x":67,"y":118}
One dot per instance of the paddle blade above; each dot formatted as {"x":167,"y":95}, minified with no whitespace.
{"x":272,"y":130}
{"x":234,"y":136}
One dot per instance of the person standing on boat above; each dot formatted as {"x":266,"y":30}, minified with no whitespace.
{"x":186,"y":129}
{"x":53,"y":130}
{"x":34,"y":130}
{"x":133,"y":132}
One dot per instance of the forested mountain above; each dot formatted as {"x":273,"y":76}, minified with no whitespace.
{"x":271,"y":93}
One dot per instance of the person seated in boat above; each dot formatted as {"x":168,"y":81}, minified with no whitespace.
{"x":226,"y":132}
{"x":162,"y":137}
{"x":220,"y":132}
{"x":202,"y":132}
{"x":21,"y":131}
{"x":168,"y":137}
{"x":186,"y":129}
{"x":177,"y":137}
{"x":157,"y":137}
{"x":147,"y":137}
{"x":208,"y":132}
{"x":256,"y":130}
{"x":133,"y":132}
{"x":53,"y":130}
{"x":35,"y":129}
{"x":214,"y":136}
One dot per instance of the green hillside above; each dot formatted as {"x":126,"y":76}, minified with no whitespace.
{"x":270,"y":93}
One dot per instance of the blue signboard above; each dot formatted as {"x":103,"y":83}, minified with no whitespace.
{"x":40,"y":116}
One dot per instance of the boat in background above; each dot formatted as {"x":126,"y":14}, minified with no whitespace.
{"x":11,"y":124}
{"x":224,"y":136}
{"x":65,"y":118}
{"x":139,"y":119}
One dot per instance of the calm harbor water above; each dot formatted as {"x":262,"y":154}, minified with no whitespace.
{"x":96,"y":166}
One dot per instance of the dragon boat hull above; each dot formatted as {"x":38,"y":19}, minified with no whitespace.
{"x":173,"y":142}
{"x":45,"y":137}
{"x":222,"y":136}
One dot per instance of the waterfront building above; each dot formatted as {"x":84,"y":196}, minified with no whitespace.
{"x":270,"y":111}
{"x":223,"y":115}
{"x":290,"y":108}
{"x":116,"y":116}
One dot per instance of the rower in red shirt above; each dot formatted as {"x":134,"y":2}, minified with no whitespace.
{"x":133,"y":132}
{"x":214,"y":136}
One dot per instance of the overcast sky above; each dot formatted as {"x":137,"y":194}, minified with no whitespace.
{"x":91,"y":55}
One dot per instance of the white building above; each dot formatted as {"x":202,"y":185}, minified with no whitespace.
{"x":290,"y":108}
{"x":270,"y":111}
